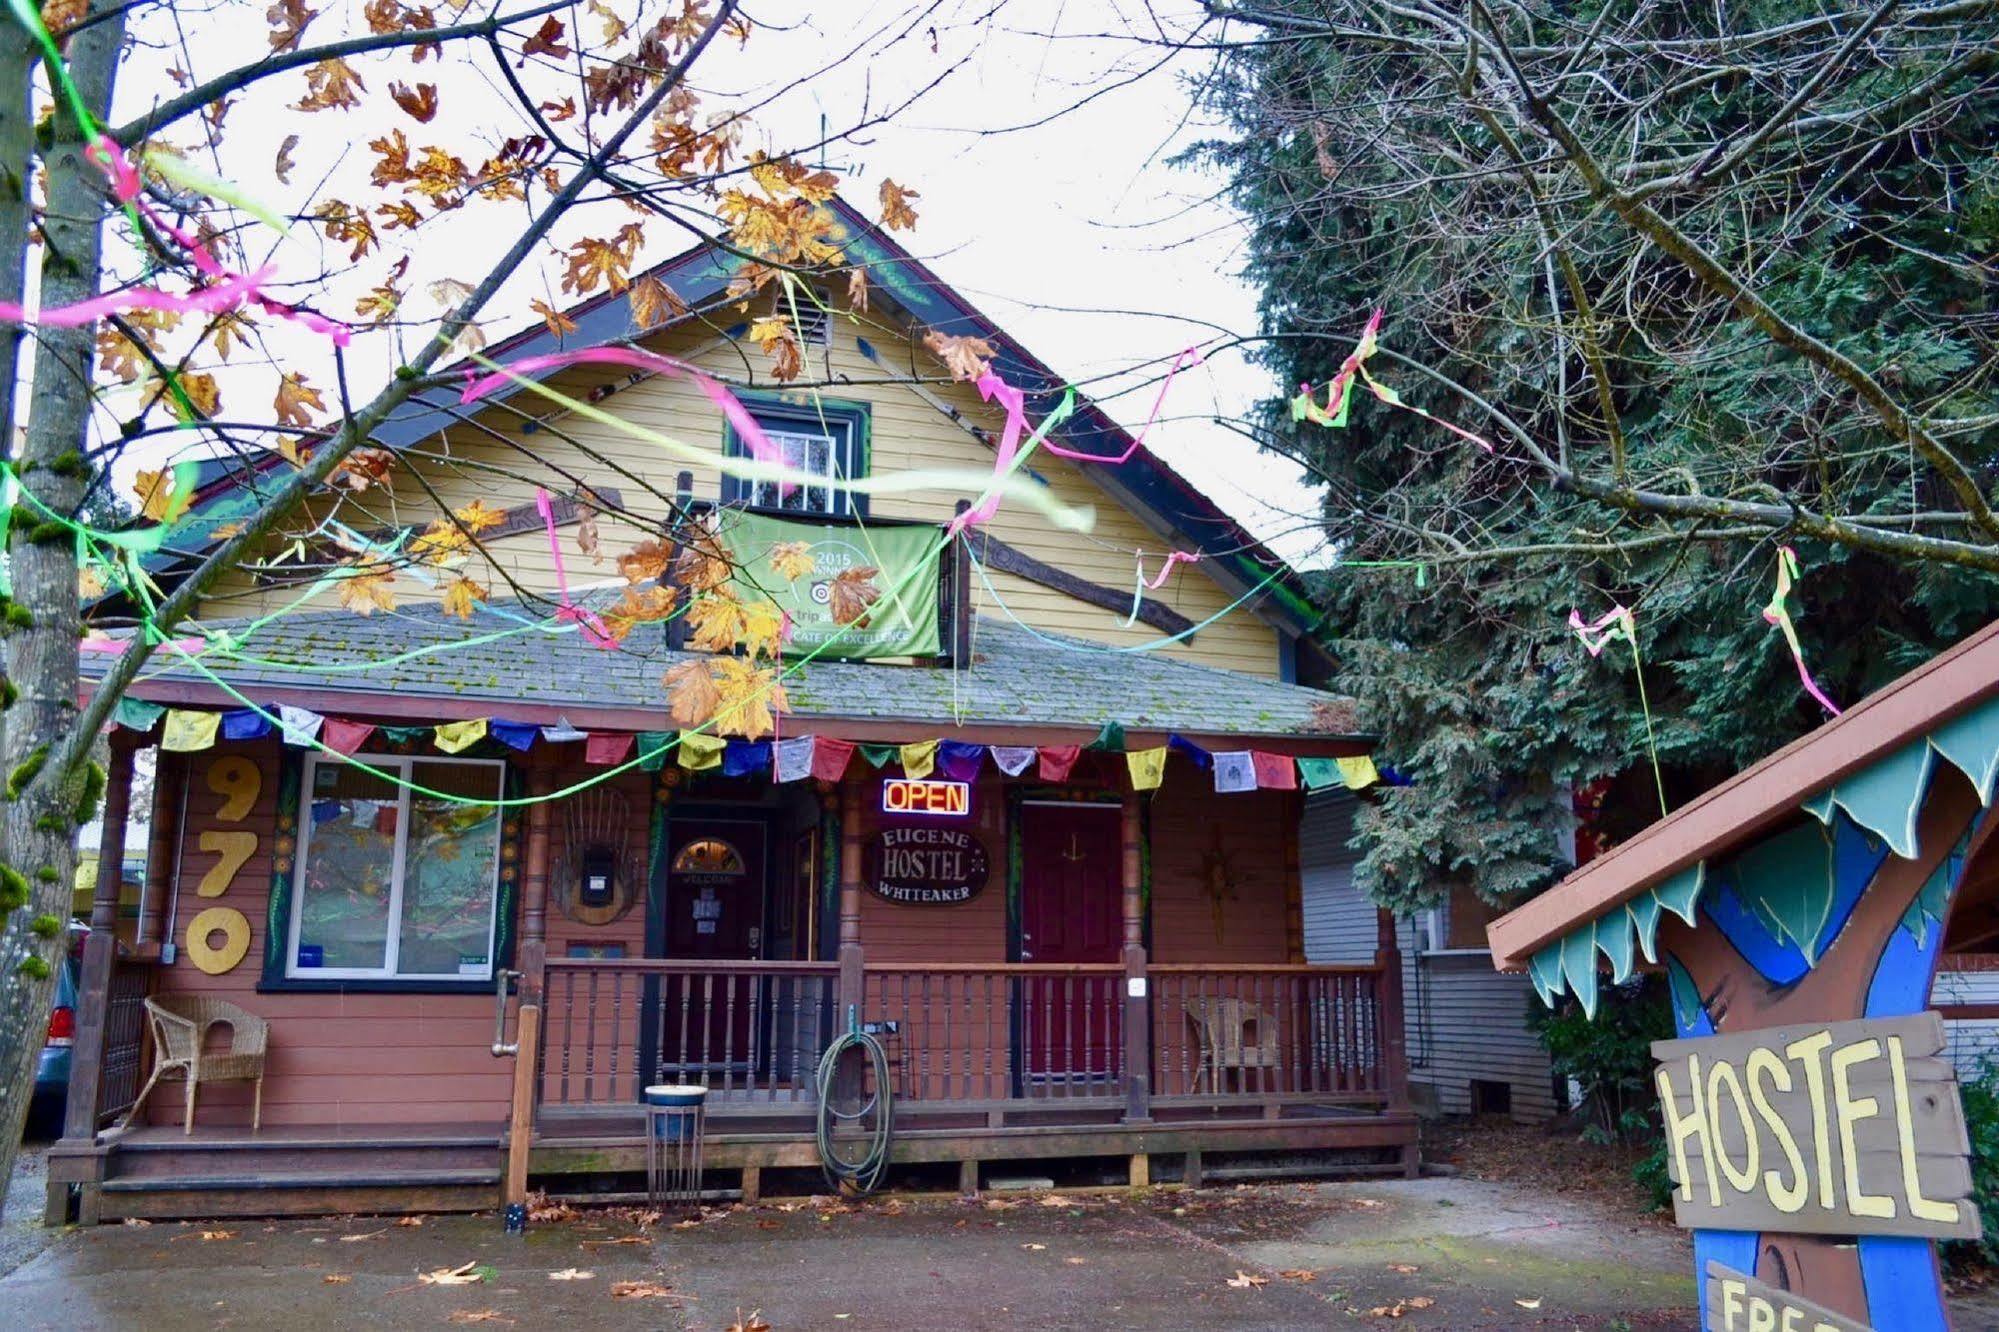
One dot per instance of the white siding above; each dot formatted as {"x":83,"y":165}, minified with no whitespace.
{"x":1971,"y":1041}
{"x":1339,"y":922}
{"x":1464,"y":1020}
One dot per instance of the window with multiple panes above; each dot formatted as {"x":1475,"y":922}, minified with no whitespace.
{"x":396,"y":883}
{"x":827,"y":441}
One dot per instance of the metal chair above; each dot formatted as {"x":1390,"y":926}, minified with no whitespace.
{"x":1234,"y":1034}
{"x":180,"y":1029}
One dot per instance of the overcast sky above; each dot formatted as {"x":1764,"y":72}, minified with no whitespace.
{"x":1076,"y":234}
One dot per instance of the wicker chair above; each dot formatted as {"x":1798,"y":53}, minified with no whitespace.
{"x":180,"y":1030}
{"x":1233,"y":1035}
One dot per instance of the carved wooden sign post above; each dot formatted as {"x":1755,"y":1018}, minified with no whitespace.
{"x":1814,"y":1132}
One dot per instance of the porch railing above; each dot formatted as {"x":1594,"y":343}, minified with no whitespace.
{"x":966,"y":1034}
{"x":1267,"y":1031}
{"x":124,"y":1054}
{"x":979,"y":1032}
{"x":751,"y":1032}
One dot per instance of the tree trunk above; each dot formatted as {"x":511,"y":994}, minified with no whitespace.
{"x":38,"y":832}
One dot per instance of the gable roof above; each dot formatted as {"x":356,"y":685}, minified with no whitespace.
{"x":1759,"y":797}
{"x":699,"y":276}
{"x":1022,"y":686}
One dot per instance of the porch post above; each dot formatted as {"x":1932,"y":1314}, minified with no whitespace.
{"x":852,"y":978}
{"x":1294,"y":884}
{"x":534,"y":893}
{"x":1389,"y":1022}
{"x":100,"y":949}
{"x":1137,"y":1003}
{"x":162,"y":856}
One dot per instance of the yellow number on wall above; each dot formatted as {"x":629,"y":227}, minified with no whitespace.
{"x":232,"y":925}
{"x":239,"y":782}
{"x":236,"y":847}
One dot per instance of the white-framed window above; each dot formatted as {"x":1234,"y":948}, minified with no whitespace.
{"x":393,"y":883}
{"x":814,"y":451}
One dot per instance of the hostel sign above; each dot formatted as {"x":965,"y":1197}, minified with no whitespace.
{"x":1841,"y":1128}
{"x":927,"y":866}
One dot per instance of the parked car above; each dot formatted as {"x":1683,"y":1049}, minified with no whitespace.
{"x":45,"y":1109}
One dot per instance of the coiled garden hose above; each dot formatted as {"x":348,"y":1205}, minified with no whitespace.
{"x":861,"y":1176}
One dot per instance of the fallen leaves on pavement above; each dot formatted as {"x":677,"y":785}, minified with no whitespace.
{"x":1248,"y":1280}
{"x":643,"y":1290}
{"x":1299,"y":1274}
{"x":572,"y":1274}
{"x":478,"y":1316}
{"x":1400,"y":1307}
{"x":467,"y":1274}
{"x":753,"y":1323}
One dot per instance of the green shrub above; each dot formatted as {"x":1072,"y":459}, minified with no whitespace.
{"x":1980,"y":1092}
{"x":1609,"y":1056}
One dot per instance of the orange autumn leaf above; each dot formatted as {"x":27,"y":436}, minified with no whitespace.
{"x":595,"y":261}
{"x":857,"y":289}
{"x":897,"y":215}
{"x":341,"y":222}
{"x":461,"y":596}
{"x":763,"y":628}
{"x":231,"y":329}
{"x":282,"y":165}
{"x":646,"y":560}
{"x":792,"y":560}
{"x":691,"y":694}
{"x":392,"y":159}
{"x":437,"y":174}
{"x":401,"y":213}
{"x":363,"y":468}
{"x":654,"y":303}
{"x":702,"y":564}
{"x":966,"y":358}
{"x":439,"y":542}
{"x":288,"y":20}
{"x":477,"y":517}
{"x":748,"y":698}
{"x":715,"y":621}
{"x":379,"y":305}
{"x":366,"y":593}
{"x":547,"y":40}
{"x":420,"y":102}
{"x":331,"y":85}
{"x":638,"y":605}
{"x":557,"y":322}
{"x":160,"y":499}
{"x":200,"y":389}
{"x":851,"y":592}
{"x":59,"y":16}
{"x":296,"y":401}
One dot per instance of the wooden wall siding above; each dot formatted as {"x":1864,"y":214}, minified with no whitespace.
{"x":333,"y":1058}
{"x":1253,"y":828}
{"x":1969,"y":1042}
{"x":973,"y":931}
{"x":1463,"y":1020}
{"x":907,"y":433}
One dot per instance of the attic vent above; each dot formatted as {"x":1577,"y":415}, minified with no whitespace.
{"x":809,"y":322}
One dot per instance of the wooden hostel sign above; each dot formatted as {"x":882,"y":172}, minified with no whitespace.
{"x":1842,"y":1128}
{"x":1739,"y":1303}
{"x":928,"y":865}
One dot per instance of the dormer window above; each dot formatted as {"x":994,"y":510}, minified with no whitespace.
{"x":826,"y":440}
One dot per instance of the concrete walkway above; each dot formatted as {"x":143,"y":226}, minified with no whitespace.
{"x":1433,"y":1253}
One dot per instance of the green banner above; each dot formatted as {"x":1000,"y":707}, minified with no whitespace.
{"x":898,"y":623}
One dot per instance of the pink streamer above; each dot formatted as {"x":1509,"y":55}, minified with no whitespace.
{"x":728,"y":403}
{"x":1778,"y":613}
{"x":994,"y":389}
{"x":1173,"y":558}
{"x":95,"y":642}
{"x":1191,"y":356}
{"x":1604,"y":630}
{"x":226,"y":291}
{"x":588,"y":621}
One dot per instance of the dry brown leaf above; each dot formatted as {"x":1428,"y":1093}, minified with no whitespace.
{"x":466,"y":1274}
{"x":1075,"y":1262}
{"x":1405,"y":1268}
{"x":218,"y":1234}
{"x":296,"y":400}
{"x":850,"y":594}
{"x":284,"y":164}
{"x":555,"y":320}
{"x":330,"y":85}
{"x":857,"y":289}
{"x":420,"y":101}
{"x":288,"y":20}
{"x":1299,"y":1274}
{"x":479,"y":1316}
{"x":161,"y":500}
{"x":1247,"y":1280}
{"x":461,"y":597}
{"x":654,"y":303}
{"x":364,"y":594}
{"x":608,"y":1243}
{"x":335,"y":1279}
{"x":967,"y":358}
{"x":1036,"y":1247}
{"x":646,"y":560}
{"x":753,"y":1322}
{"x":641,"y":1290}
{"x":366,"y":1234}
{"x":137,"y":1221}
{"x":1529,"y":1304}
{"x":691,"y":693}
{"x":572,"y":1274}
{"x":897,"y":215}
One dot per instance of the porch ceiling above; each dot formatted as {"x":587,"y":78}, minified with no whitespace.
{"x":422,"y":663}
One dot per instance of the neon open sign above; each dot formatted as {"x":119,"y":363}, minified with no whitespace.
{"x":908,"y":795}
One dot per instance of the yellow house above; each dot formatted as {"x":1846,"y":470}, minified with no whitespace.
{"x":1029,"y":822}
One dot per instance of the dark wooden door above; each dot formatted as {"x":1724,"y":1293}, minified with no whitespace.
{"x":715,"y":890}
{"x":1070,"y":912}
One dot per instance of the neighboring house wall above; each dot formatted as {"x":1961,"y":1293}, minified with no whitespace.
{"x":1968,"y":1041}
{"x":1466,"y":1022}
{"x":907,"y":433}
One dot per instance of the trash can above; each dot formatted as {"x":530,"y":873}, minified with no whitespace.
{"x":674,"y":1126}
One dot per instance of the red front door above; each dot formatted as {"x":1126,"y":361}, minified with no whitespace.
{"x":1070,"y":912}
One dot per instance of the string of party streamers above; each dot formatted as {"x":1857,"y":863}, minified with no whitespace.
{"x":1339,"y":395}
{"x":1598,"y":634}
{"x":1779,"y":614}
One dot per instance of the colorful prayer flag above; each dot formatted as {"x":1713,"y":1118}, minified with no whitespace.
{"x":603,"y":749}
{"x":514,"y":735}
{"x":794,"y":759}
{"x":960,"y":761}
{"x":919,"y":759}
{"x":743,"y":757}
{"x":653,"y":748}
{"x":1274,"y":772}
{"x":135,"y":714}
{"x":345,"y":737}
{"x":1234,"y":771}
{"x":879,"y":755}
{"x":456,"y":737}
{"x":829,"y":757}
{"x":700,"y":751}
{"x":1147,"y":768}
{"x":1013,"y":759}
{"x":1057,"y":760}
{"x":1202,"y":758}
{"x":1319,"y":773}
{"x":301,"y":725}
{"x":187,"y":732}
{"x":1110,"y":736}
{"x":245,"y":724}
{"x":562,"y":732}
{"x":1358,"y":772}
